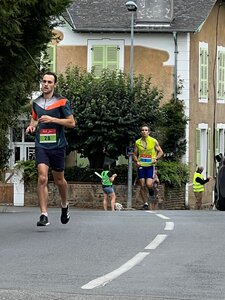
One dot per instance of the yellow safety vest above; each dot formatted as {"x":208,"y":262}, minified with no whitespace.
{"x":197,"y":187}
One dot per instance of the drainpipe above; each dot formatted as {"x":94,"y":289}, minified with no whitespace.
{"x":175,"y":66}
{"x":175,"y":93}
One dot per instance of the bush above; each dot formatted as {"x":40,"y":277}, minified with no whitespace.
{"x":172,"y":174}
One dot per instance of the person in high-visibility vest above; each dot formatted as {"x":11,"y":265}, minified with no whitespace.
{"x":198,"y":186}
{"x":107,"y":187}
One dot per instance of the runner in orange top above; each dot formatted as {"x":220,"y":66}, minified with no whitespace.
{"x":50,"y":114}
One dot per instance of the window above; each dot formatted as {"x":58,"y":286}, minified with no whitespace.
{"x":49,"y":58}
{"x":220,"y":139}
{"x":22,"y":145}
{"x":202,"y":147}
{"x":203,"y":72}
{"x":221,"y":74}
{"x":105,"y":54}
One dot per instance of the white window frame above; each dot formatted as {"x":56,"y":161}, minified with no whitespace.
{"x":204,"y":148}
{"x":94,"y":42}
{"x":220,"y":132}
{"x":203,"y":46}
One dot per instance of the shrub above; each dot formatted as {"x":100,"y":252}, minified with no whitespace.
{"x":172,"y":174}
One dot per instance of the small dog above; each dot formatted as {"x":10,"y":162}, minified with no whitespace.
{"x":118,"y":206}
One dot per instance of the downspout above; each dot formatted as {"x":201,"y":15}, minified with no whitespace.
{"x":175,"y":93}
{"x":175,"y":66}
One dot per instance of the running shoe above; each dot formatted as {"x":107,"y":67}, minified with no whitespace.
{"x":65,"y":215}
{"x":43,"y":221}
{"x":145,"y":206}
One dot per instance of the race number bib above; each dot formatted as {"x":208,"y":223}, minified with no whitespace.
{"x":47,"y":135}
{"x":146,"y":158}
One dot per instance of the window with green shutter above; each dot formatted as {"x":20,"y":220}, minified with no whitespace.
{"x":105,"y":57}
{"x":209,"y":152}
{"x":217,"y":141}
{"x":221,"y":75}
{"x":49,"y":59}
{"x":203,"y":73}
{"x":198,"y":147}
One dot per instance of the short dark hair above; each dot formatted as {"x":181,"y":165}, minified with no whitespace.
{"x":145,"y":125}
{"x":53,"y":74}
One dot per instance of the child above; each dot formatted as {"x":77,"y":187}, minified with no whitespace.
{"x":108,"y":191}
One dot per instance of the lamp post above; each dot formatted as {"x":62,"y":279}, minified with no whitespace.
{"x":132,"y":7}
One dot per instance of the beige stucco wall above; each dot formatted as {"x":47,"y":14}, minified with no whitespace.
{"x":68,"y":56}
{"x":148,"y":62}
{"x":210,"y":113}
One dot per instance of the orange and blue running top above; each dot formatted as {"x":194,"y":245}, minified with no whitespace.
{"x":50,"y":135}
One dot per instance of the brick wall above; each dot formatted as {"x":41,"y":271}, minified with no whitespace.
{"x":174,"y":198}
{"x":6,"y":193}
{"x":89,"y":195}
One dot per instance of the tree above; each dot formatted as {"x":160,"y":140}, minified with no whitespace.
{"x":108,"y":115}
{"x":172,"y":129}
{"x":25,"y":30}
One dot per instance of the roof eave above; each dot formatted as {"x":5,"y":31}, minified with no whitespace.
{"x":127,"y":30}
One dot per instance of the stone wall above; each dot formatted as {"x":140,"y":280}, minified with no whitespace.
{"x":90,"y":195}
{"x":174,"y":198}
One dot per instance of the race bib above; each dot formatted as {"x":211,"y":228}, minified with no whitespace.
{"x":145,"y":158}
{"x":47,"y":135}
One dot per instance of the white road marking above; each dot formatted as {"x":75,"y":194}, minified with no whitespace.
{"x":156,"y":242}
{"x":169,"y":226}
{"x":103,"y":280}
{"x":162,"y":217}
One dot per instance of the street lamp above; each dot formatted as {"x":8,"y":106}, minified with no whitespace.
{"x":132,"y":7}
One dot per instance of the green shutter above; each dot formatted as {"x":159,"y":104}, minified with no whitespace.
{"x":221,"y":75}
{"x":198,"y":146}
{"x":209,"y":152}
{"x":217,"y":150}
{"x":203,"y":74}
{"x":98,"y":59}
{"x":50,"y":58}
{"x":105,"y":57}
{"x":112,"y":58}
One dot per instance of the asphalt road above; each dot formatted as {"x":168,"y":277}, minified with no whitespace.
{"x":106,"y":255}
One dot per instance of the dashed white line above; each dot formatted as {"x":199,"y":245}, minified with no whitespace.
{"x":162,"y":216}
{"x":103,"y":280}
{"x":169,"y":226}
{"x":156,"y":242}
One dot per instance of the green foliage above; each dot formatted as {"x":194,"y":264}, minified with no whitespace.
{"x":172,"y":129}
{"x":173,"y":174}
{"x":4,"y":151}
{"x":30,"y":174}
{"x":26,"y":28}
{"x":108,"y":115}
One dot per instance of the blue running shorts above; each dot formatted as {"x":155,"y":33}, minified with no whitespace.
{"x":54,"y":158}
{"x":146,"y":172}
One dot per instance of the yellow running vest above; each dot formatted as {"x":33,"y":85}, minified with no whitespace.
{"x":145,"y":155}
